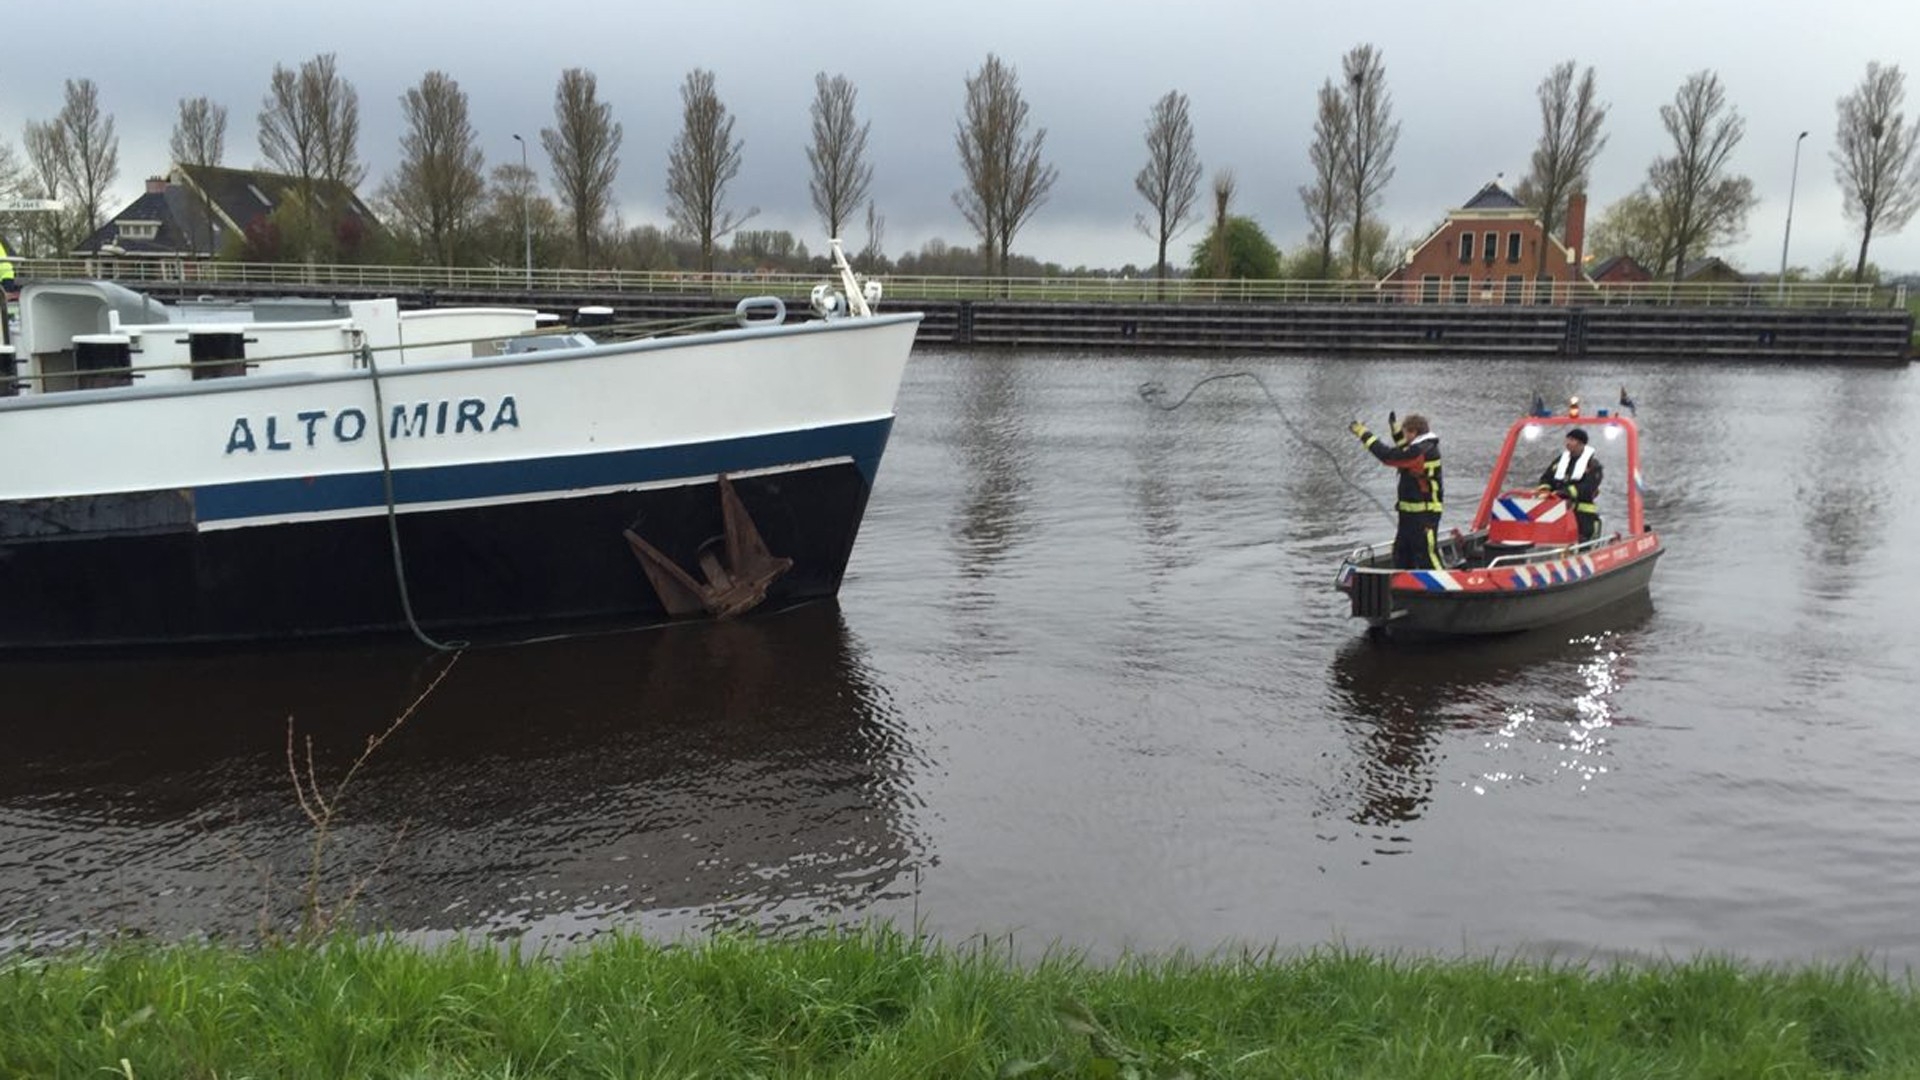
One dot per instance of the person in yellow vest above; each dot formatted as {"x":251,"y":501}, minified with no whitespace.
{"x":1416,"y":454}
{"x":8,"y":289}
{"x":1575,"y":477}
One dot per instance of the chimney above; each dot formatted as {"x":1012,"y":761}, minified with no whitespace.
{"x":156,"y":185}
{"x":1577,"y":227}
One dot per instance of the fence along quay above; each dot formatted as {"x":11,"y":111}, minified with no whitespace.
{"x":1741,"y":321}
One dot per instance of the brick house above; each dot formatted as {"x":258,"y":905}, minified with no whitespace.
{"x":1619,"y":270}
{"x":1488,"y":252}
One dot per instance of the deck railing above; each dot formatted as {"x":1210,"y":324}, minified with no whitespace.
{"x":899,"y":287}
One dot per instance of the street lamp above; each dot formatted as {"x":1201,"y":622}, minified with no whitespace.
{"x":1787,"y":237}
{"x":526,"y":223}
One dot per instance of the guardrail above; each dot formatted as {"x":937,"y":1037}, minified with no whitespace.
{"x":510,"y":280}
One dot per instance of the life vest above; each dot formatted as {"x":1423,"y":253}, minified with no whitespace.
{"x":1579,"y":465}
{"x":1420,"y":486}
{"x":1572,"y":471}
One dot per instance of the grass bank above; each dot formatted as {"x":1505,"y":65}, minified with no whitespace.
{"x":879,"y":1004}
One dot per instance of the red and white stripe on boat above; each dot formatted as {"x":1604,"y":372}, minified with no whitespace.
{"x":1520,"y":577}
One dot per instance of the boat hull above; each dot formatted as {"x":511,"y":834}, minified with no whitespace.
{"x":1434,"y":614}
{"x":1503,"y":598}
{"x":522,"y":488}
{"x":482,"y":572}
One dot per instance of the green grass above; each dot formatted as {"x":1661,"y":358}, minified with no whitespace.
{"x":878,"y":1003}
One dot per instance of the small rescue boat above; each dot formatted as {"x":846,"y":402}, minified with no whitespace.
{"x":1521,"y":565}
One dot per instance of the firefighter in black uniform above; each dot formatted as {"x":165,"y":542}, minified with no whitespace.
{"x":1575,"y":477}
{"x":1416,"y":453}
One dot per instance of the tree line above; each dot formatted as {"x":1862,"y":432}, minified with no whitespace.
{"x":442,"y":204}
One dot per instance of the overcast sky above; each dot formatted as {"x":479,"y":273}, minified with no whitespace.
{"x":1462,"y":77}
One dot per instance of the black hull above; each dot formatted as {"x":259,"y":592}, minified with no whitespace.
{"x":493,"y":572}
{"x":1459,"y":614}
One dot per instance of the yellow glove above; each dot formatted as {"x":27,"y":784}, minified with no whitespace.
{"x":1359,"y":429}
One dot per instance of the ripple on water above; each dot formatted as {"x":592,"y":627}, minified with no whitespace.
{"x":1088,"y":680}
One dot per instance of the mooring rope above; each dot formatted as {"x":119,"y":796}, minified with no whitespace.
{"x":657,"y":327}
{"x":393,"y":514}
{"x":1153,"y":391}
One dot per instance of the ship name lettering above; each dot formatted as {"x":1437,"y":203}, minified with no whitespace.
{"x":419,"y":420}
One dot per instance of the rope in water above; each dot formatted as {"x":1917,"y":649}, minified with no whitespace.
{"x":393,"y":514}
{"x":656,"y":327}
{"x":1153,"y":391}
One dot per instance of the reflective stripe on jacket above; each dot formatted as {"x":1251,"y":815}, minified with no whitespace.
{"x":1575,"y":479}
{"x":1421,"y":487}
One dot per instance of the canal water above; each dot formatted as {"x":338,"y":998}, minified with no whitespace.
{"x":1088,"y":683}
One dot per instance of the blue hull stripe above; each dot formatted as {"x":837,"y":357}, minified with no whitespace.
{"x":863,"y":442}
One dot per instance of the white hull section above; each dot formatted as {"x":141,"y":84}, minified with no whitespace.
{"x":535,"y":406}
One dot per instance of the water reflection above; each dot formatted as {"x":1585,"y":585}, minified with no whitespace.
{"x":1841,"y":484}
{"x":1399,"y":701}
{"x":993,"y":449}
{"x":750,"y":770}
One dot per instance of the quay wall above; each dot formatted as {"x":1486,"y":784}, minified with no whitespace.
{"x":1707,"y":333}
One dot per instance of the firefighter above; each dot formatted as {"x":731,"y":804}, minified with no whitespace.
{"x":1575,"y":477}
{"x":1416,"y":454}
{"x":8,"y":287}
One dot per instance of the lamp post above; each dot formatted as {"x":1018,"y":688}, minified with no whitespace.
{"x":526,"y":223}
{"x":1787,"y":236}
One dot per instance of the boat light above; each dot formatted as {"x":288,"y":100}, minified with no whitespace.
{"x":1613,"y":432}
{"x":1530,"y":432}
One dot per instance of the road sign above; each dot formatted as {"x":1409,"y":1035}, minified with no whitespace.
{"x":20,"y":206}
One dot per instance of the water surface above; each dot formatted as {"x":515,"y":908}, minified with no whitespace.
{"x":1088,"y":682}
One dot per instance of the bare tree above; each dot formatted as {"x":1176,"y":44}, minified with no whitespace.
{"x":1332,"y":136}
{"x":438,"y":187}
{"x":1570,"y":139}
{"x":310,"y":123}
{"x":200,"y":138}
{"x":838,"y":154}
{"x":46,"y":147}
{"x":1633,"y":227}
{"x":1006,"y":178}
{"x":14,"y":180}
{"x":1170,"y":180}
{"x":584,"y":147}
{"x":515,"y":216}
{"x":875,"y":253}
{"x":92,"y":160}
{"x":287,"y":137}
{"x":200,"y":134}
{"x":1217,"y":253}
{"x":1876,"y":157}
{"x":310,"y":130}
{"x":1372,"y":136}
{"x":335,"y":107}
{"x":1700,"y":205}
{"x":704,"y":158}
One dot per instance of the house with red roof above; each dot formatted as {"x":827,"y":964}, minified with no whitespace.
{"x":1493,"y":250}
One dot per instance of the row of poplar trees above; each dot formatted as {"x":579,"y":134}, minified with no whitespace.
{"x":1689,"y":202}
{"x":444,"y":206}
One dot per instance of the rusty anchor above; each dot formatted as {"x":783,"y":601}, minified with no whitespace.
{"x":737,"y":566}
